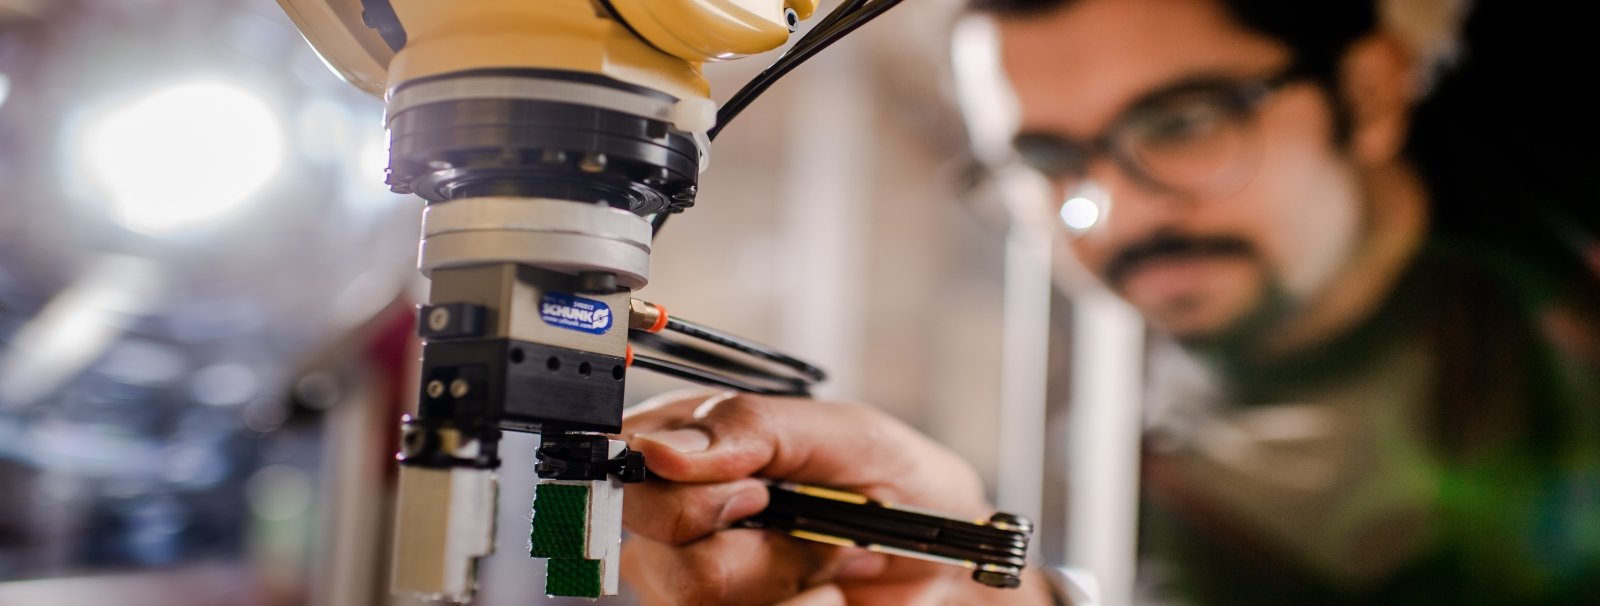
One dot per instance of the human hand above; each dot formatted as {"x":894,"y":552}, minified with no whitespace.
{"x":712,"y":450}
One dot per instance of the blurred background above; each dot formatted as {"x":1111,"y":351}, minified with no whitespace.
{"x":206,"y":296}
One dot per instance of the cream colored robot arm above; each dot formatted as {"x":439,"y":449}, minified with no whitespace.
{"x":513,"y":119}
{"x":335,"y":29}
{"x":712,"y":30}
{"x":695,"y":31}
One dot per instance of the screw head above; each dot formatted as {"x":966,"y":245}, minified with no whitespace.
{"x":459,"y":388}
{"x":411,"y":440}
{"x":435,"y":388}
{"x":438,"y":319}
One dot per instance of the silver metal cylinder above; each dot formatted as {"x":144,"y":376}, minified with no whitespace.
{"x":559,"y":235}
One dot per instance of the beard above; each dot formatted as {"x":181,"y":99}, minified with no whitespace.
{"x":1244,"y":339}
{"x":1240,"y":337}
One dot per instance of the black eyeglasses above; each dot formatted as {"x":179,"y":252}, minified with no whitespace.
{"x":1194,"y":138}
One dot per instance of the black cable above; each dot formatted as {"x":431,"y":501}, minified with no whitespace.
{"x":859,"y":15}
{"x":704,"y":333}
{"x":833,"y":18}
{"x":825,"y":30}
{"x":699,"y":375}
{"x":821,"y":30}
{"x":844,"y":19}
{"x":716,"y":360}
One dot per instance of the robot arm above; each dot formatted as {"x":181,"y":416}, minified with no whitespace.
{"x":540,"y":134}
{"x":710,"y":30}
{"x":359,"y":38}
{"x":335,"y":29}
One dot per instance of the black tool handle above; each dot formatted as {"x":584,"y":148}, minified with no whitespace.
{"x":994,"y":549}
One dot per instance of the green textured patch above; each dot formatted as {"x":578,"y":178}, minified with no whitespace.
{"x":572,"y":578}
{"x":558,"y":516}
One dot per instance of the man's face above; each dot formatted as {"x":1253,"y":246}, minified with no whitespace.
{"x":1201,"y":261}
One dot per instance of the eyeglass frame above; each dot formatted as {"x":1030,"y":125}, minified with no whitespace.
{"x":1245,"y":100}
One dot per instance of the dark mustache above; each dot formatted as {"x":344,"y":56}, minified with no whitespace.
{"x":1168,"y":245}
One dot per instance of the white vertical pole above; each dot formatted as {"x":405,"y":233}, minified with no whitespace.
{"x":825,"y":214}
{"x":991,"y":113}
{"x":1025,"y":356}
{"x":1107,"y":380}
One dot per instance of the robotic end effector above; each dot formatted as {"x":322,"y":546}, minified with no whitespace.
{"x":540,"y":134}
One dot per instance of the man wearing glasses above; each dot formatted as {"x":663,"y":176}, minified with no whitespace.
{"x":1388,"y":390}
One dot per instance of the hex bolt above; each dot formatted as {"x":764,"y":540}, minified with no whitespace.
{"x":438,"y":319}
{"x":459,"y":388}
{"x":435,"y":388}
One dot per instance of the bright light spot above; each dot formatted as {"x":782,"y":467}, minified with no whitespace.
{"x":366,"y":171}
{"x":182,"y":157}
{"x":373,"y":161}
{"x":1080,"y":213}
{"x":5,"y":88}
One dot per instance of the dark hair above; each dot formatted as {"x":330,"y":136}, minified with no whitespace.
{"x":1507,"y":143}
{"x":1317,"y":31}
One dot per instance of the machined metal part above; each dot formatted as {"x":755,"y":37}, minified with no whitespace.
{"x":444,"y":522}
{"x":438,"y":319}
{"x":553,"y":234}
{"x":635,"y":101}
{"x":451,"y":321}
{"x":513,"y":298}
{"x":545,"y":133}
{"x":523,"y":386}
{"x":547,"y":355}
{"x":431,"y":444}
{"x":644,"y":315}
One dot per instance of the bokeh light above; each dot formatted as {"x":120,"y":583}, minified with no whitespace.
{"x":1080,"y":213}
{"x":182,"y":157}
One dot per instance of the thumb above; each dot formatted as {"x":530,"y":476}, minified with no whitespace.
{"x":687,"y":441}
{"x":678,"y":454}
{"x":840,"y":445}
